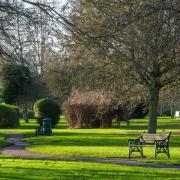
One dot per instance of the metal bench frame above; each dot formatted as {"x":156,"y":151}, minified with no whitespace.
{"x":160,"y":145}
{"x":39,"y":131}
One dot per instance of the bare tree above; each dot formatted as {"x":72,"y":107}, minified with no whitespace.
{"x":141,"y":36}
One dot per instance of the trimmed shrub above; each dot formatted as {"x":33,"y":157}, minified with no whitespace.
{"x":139,"y":111}
{"x":89,"y":110}
{"x":9,"y":116}
{"x":131,"y":110}
{"x":47,"y":108}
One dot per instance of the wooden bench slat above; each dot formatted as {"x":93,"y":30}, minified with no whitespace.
{"x":150,"y":138}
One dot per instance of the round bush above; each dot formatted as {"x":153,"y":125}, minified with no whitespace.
{"x":9,"y":116}
{"x":47,"y":108}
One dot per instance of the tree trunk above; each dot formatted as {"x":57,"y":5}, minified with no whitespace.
{"x":153,"y":105}
{"x":172,"y":109}
{"x":118,"y":121}
{"x":25,"y":112}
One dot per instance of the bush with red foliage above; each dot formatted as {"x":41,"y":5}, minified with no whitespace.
{"x":89,"y":110}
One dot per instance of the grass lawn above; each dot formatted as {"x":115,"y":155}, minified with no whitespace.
{"x":104,"y":142}
{"x":53,"y":170}
{"x":99,"y":142}
{"x":88,"y":143}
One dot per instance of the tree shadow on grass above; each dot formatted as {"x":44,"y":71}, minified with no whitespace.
{"x":53,"y":169}
{"x":82,"y":139}
{"x":92,"y":139}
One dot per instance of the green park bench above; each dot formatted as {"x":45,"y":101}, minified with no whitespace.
{"x":160,"y":141}
{"x":45,"y":128}
{"x":39,"y":131}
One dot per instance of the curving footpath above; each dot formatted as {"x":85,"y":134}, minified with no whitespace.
{"x":17,"y":149}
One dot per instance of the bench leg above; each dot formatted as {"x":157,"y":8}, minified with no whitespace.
{"x":129,"y":153}
{"x":155,"y":153}
{"x":36,"y":132}
{"x":168,"y":153}
{"x":135,"y":149}
{"x":142,"y":154}
{"x":158,"y":150}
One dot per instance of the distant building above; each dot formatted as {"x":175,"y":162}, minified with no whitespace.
{"x":177,"y":114}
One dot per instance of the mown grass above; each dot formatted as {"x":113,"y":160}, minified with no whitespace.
{"x":99,"y":142}
{"x":36,"y":169}
{"x":88,"y":143}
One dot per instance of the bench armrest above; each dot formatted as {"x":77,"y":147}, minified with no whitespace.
{"x":165,"y":140}
{"x":135,"y":141}
{"x":162,"y":142}
{"x":39,"y":130}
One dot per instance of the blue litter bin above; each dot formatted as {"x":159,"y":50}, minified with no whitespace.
{"x":47,"y":126}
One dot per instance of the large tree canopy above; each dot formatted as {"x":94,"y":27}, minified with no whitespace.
{"x":141,"y":36}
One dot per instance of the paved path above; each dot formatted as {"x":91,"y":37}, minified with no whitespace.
{"x":17,"y":149}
